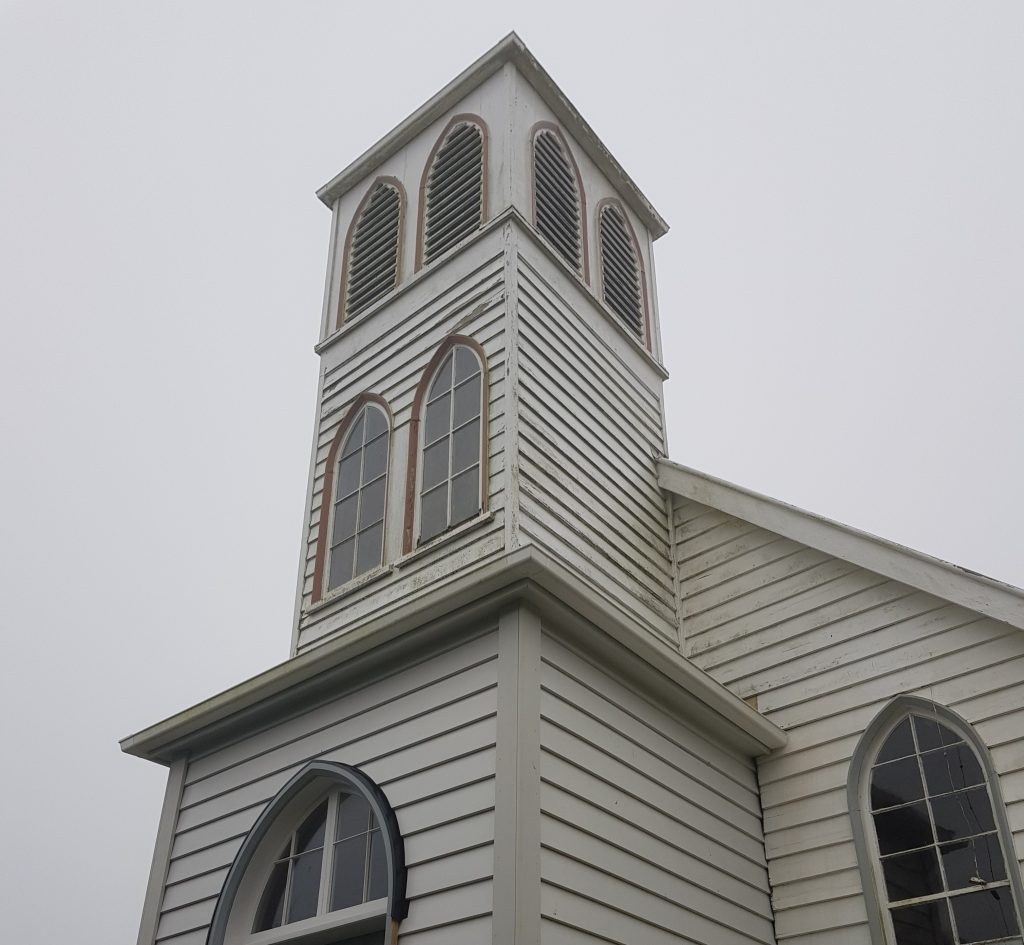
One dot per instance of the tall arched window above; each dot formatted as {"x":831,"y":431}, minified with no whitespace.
{"x":454,"y":190}
{"x":931,"y":832}
{"x":557,"y":197}
{"x":448,"y":445}
{"x":325,"y":860}
{"x":350,"y":540}
{"x":372,"y":249}
{"x":621,"y":276}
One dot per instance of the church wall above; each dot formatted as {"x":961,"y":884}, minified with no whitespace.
{"x":824,"y":645}
{"x":590,"y":427}
{"x":425,"y":734}
{"x":650,"y":832}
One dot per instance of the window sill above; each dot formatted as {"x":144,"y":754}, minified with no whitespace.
{"x":444,"y":538}
{"x":354,"y":585}
{"x":355,"y":920}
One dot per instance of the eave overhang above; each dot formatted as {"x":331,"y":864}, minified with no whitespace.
{"x":510,"y":50}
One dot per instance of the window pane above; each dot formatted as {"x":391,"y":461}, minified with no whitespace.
{"x":341,"y":563}
{"x":466,"y":446}
{"x":467,"y":401}
{"x":466,"y":495}
{"x":899,"y":744}
{"x":985,"y":915}
{"x":435,"y":464}
{"x":930,"y":734}
{"x":903,"y":829}
{"x":434,"y":512}
{"x":344,"y":519}
{"x":353,"y":816}
{"x":896,"y":782}
{"x":355,"y":436}
{"x":302,"y":900}
{"x":376,"y":424}
{"x":910,"y":875}
{"x":271,"y":908}
{"x":311,"y":834}
{"x":981,"y":857}
{"x":962,"y":814}
{"x":377,"y":881}
{"x":466,"y":364}
{"x":443,"y":380}
{"x":349,"y":872}
{"x":375,"y":459}
{"x":438,"y":421}
{"x":927,"y":923}
{"x":368,"y":555}
{"x":950,"y":769}
{"x":348,"y":476}
{"x":371,"y":503}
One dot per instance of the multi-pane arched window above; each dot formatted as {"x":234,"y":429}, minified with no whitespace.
{"x":557,"y":197}
{"x":454,"y":191}
{"x":373,"y":249}
{"x":935,"y":833}
{"x":621,"y":276}
{"x":451,"y":416}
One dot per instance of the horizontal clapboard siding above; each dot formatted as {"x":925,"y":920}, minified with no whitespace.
{"x":391,"y":364}
{"x":824,"y":645}
{"x":588,"y":432}
{"x":649,"y":831}
{"x":425,"y":734}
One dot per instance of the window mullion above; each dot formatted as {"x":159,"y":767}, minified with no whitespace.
{"x":327,"y":868}
{"x":451,"y":442}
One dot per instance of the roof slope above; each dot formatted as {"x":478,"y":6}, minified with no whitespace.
{"x":958,"y":585}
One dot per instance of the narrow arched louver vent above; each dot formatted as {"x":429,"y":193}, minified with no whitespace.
{"x":620,"y":270}
{"x":557,"y":199}
{"x":373,"y":259}
{"x":454,"y":191}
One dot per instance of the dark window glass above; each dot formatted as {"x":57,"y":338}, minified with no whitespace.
{"x":270,"y":913}
{"x":926,"y":923}
{"x":904,"y":828}
{"x":896,"y":782}
{"x":376,"y":460}
{"x":353,"y":816}
{"x":467,"y":401}
{"x":377,"y":881}
{"x":434,"y":512}
{"x":950,"y":769}
{"x":371,"y":504}
{"x":345,"y":518}
{"x":355,"y":437}
{"x":931,"y":734}
{"x":962,"y":814}
{"x":305,"y":888}
{"x":899,"y":744}
{"x":967,"y":861}
{"x":341,"y":562}
{"x":466,"y":494}
{"x":349,"y":872}
{"x":466,"y":446}
{"x":912,"y":875}
{"x":985,"y":915}
{"x":310,"y":835}
{"x":438,"y":418}
{"x":435,"y":463}
{"x":369,"y":553}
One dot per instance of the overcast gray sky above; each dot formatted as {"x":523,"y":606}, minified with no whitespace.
{"x":841,"y":293}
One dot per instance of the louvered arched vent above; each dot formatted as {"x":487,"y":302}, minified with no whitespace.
{"x":373,"y":252}
{"x":454,"y":192}
{"x":557,"y":198}
{"x":620,"y":270}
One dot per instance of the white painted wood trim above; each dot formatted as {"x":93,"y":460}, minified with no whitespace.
{"x":511,"y":387}
{"x":162,"y":852}
{"x":957,"y":585}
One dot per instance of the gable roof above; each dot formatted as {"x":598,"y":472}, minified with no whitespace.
{"x":958,"y":585}
{"x":509,"y":50}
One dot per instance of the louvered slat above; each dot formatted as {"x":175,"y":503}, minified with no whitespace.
{"x":557,"y":199}
{"x":620,"y":270}
{"x":373,"y":260}
{"x":454,"y":191}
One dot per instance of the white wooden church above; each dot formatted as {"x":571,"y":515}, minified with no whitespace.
{"x":547,"y":686}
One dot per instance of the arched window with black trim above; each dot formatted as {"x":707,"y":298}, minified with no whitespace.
{"x":454,"y":192}
{"x":373,"y":249}
{"x":324,"y":859}
{"x":557,"y":200}
{"x":935,"y":849}
{"x":621,"y":276}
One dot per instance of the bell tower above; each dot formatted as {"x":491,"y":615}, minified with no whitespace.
{"x":486,"y":731}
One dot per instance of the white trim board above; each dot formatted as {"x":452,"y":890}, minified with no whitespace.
{"x":959,"y":586}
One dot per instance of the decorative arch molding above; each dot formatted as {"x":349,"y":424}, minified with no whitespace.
{"x":412,"y":467}
{"x":857,"y":784}
{"x":396,"y":185}
{"x":322,"y":776}
{"x":327,"y":492}
{"x":554,"y":129}
{"x":421,"y":213}
{"x":616,"y":204}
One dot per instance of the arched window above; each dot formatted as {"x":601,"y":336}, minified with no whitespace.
{"x":325,"y":859}
{"x":372,"y":249}
{"x":447,"y":465}
{"x":454,"y":191}
{"x":621,"y":277}
{"x":557,"y":197}
{"x":350,"y":540}
{"x":931,"y":832}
